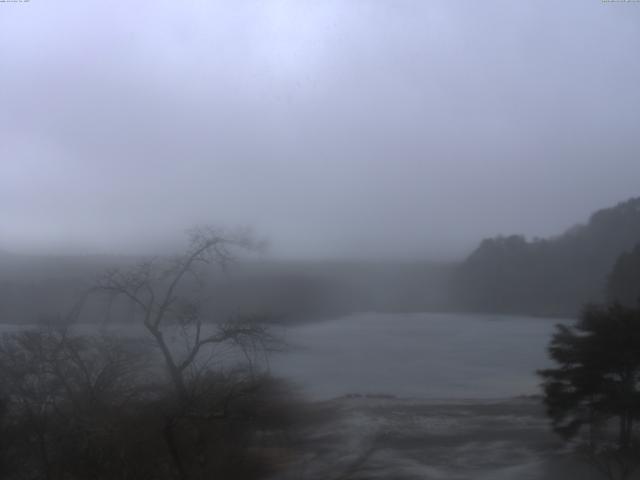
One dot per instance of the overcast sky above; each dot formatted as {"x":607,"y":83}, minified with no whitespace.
{"x":334,"y":128}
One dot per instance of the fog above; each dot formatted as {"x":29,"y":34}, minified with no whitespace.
{"x":319,"y":239}
{"x":335,"y":129}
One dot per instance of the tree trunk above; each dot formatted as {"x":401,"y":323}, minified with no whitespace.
{"x":626,"y":426}
{"x":169,"y":439}
{"x":172,"y":368}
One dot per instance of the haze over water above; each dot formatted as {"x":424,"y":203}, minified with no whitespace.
{"x":427,"y":355}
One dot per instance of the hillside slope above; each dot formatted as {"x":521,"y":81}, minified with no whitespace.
{"x":554,"y":276}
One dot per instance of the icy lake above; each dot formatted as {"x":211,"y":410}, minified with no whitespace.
{"x":427,"y":355}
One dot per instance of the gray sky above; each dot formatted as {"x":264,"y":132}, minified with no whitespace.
{"x":334,"y":128}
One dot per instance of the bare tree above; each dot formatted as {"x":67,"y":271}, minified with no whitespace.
{"x":158,"y":288}
{"x":168,"y":295}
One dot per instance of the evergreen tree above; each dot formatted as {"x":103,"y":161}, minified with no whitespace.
{"x":595,"y":388}
{"x":623,"y":285}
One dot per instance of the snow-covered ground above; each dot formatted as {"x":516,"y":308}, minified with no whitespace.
{"x":383,"y":437}
{"x":422,"y":358}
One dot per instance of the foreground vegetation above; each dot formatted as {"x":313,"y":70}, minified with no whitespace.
{"x":162,"y":406}
{"x":593,"y":395}
{"x":76,"y":407}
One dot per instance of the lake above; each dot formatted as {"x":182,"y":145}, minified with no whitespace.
{"x":418,"y":355}
{"x":426,"y":355}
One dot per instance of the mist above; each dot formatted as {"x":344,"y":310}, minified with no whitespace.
{"x":334,"y":129}
{"x":319,"y":240}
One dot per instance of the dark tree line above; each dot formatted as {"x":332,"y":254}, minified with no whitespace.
{"x":552,"y":276}
{"x":38,"y":287}
{"x":623,"y":285}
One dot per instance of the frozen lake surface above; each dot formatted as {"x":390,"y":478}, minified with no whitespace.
{"x":422,"y":355}
{"x":426,"y":355}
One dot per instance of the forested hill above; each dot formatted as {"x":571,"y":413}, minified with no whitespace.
{"x":553,"y":276}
